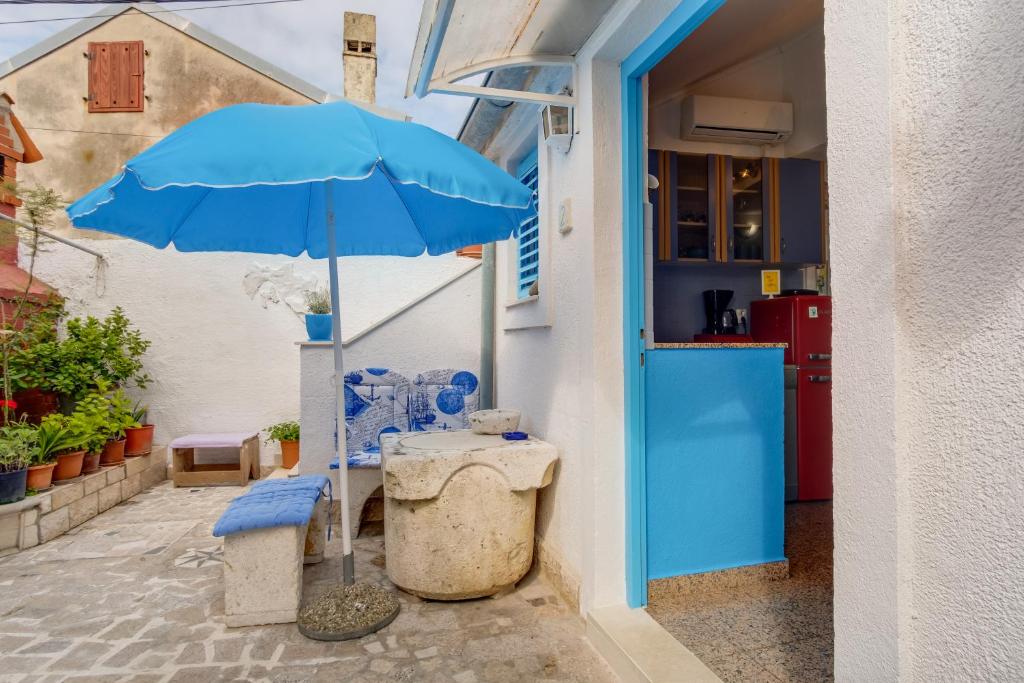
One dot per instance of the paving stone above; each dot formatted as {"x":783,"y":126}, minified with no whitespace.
{"x":54,"y":524}
{"x":83,"y":509}
{"x":110,"y":593}
{"x":82,"y":657}
{"x":114,"y":475}
{"x":18,"y":664}
{"x":45,"y":647}
{"x":204,"y":674}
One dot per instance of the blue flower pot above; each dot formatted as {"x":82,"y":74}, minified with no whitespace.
{"x":318,"y":326}
{"x":12,"y":486}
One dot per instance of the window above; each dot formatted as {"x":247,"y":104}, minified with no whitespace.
{"x":528,"y":254}
{"x":116,"y":76}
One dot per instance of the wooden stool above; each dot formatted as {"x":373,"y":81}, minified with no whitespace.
{"x":187,"y":473}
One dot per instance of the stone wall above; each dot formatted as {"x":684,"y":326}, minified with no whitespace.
{"x":45,"y":516}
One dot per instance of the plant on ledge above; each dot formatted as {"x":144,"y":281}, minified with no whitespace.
{"x":17,"y":444}
{"x":287,"y":433}
{"x":93,"y":352}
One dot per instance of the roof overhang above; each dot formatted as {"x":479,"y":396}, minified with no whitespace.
{"x":459,"y":39}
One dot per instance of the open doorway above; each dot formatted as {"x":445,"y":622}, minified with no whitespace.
{"x":736,"y":420}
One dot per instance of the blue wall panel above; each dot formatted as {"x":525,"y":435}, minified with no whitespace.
{"x":715,"y":479}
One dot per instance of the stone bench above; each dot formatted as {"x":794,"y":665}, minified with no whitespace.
{"x":269,"y":534}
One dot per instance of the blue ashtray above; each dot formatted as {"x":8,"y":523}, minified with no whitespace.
{"x":515,"y":436}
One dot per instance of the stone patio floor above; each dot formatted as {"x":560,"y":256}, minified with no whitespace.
{"x":136,"y":594}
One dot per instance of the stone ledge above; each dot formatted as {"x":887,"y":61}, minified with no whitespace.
{"x":45,"y":516}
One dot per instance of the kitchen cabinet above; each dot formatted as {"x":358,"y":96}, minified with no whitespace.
{"x":723,"y":209}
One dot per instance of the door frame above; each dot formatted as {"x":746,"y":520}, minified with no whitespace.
{"x":680,"y":23}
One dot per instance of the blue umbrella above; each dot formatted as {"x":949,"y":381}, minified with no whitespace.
{"x":328,"y":179}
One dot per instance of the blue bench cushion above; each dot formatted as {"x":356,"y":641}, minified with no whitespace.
{"x":376,"y":402}
{"x":360,"y":461}
{"x":441,"y":400}
{"x":272,"y":503}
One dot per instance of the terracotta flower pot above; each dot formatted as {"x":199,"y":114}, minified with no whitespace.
{"x":40,"y":477}
{"x":91,"y":463}
{"x":69,"y":465}
{"x":138,"y":440}
{"x":289,"y":454}
{"x":113,"y":452}
{"x":12,"y":486}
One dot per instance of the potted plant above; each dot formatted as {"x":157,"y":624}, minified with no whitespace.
{"x":69,"y":437}
{"x":287,"y":433}
{"x":92,"y":426}
{"x":17,"y":443}
{"x":318,"y":317}
{"x":54,"y":440}
{"x":94,"y":353}
{"x":108,"y":415}
{"x":139,"y":439}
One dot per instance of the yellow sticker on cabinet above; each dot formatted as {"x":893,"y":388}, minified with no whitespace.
{"x":771,"y":282}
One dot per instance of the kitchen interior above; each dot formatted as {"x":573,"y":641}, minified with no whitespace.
{"x":738,"y":336}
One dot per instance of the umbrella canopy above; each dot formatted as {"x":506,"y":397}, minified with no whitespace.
{"x":253,"y":177}
{"x":324,"y":179}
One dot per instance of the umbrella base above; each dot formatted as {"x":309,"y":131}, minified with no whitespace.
{"x":347,"y":612}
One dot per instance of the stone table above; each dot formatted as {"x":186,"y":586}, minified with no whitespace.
{"x":459,"y":510}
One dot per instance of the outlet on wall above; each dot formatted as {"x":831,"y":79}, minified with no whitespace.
{"x":741,"y":313}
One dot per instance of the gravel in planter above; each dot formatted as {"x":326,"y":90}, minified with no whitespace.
{"x":346,"y":612}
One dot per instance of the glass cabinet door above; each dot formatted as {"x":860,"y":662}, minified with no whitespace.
{"x":691,"y":207}
{"x":746,"y":209}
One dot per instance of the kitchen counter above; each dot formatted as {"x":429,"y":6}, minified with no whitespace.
{"x":724,"y":345}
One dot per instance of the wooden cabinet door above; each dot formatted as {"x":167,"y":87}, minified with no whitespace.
{"x":744,"y":201}
{"x":799,"y":211}
{"x":694,"y":206}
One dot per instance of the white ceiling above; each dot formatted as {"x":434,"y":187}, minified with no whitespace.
{"x":739,"y":30}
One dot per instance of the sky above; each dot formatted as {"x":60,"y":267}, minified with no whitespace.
{"x":303,"y":37}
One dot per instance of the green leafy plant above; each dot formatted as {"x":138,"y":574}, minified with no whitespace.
{"x":92,"y":352}
{"x":56,"y":434}
{"x":18,"y":442}
{"x":283,"y":431}
{"x":122,"y":414}
{"x":92,"y":419}
{"x":140,"y":413}
{"x":318,"y":301}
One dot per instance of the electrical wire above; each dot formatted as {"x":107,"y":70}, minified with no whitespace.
{"x":146,"y":10}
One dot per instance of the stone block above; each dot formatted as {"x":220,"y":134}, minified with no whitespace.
{"x":131,"y":486}
{"x":29,"y":537}
{"x":115,"y":474}
{"x":109,"y":496}
{"x":83,"y":509}
{"x":45,"y":502}
{"x":54,"y":524}
{"x":136,"y":465}
{"x":263,"y":575}
{"x":29,"y":517}
{"x":9,"y":529}
{"x":94,"y":482}
{"x":67,"y":494}
{"x":150,"y":477}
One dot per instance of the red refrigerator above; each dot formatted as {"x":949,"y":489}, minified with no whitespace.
{"x":805,"y":324}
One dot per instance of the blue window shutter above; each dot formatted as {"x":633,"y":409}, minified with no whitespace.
{"x":528,"y":246}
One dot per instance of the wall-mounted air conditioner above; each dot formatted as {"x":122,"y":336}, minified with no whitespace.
{"x":731,"y":119}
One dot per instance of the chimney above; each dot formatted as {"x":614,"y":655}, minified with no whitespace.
{"x":360,"y":56}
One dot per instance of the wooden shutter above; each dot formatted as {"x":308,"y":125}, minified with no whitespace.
{"x":116,"y":76}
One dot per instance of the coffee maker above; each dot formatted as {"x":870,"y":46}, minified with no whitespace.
{"x":720,"y":319}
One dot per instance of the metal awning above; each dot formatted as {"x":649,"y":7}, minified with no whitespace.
{"x":459,"y":39}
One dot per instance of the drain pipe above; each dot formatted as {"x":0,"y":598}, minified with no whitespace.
{"x":487,"y":279}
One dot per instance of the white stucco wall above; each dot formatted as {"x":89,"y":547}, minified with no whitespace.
{"x":925,"y":129}
{"x":221,"y":361}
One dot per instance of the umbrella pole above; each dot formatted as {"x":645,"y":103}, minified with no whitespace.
{"x":348,"y":560}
